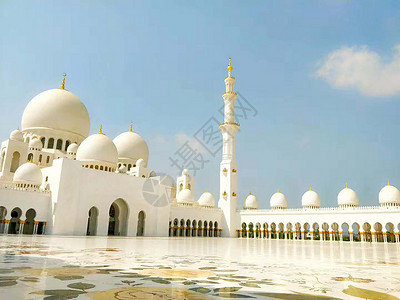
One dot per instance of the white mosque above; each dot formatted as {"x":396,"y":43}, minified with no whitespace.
{"x":55,"y":178}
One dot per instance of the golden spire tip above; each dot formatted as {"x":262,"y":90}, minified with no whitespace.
{"x":63,"y":81}
{"x":131,"y":127}
{"x":278,"y":191}
{"x":388,"y":182}
{"x":230,"y":66}
{"x":249,"y":192}
{"x":101,"y":129}
{"x":310,"y":188}
{"x":347,"y":186}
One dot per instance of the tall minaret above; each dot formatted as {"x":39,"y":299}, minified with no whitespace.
{"x":228,"y":171}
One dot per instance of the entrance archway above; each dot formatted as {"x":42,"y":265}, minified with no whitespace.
{"x":3,"y":213}
{"x":118,"y":218}
{"x":14,"y":225}
{"x":30,"y":221}
{"x":140,"y":225}
{"x":92,"y":221}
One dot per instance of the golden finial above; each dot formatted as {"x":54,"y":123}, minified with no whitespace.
{"x":249,"y":192}
{"x":278,"y":191}
{"x":63,"y":81}
{"x":101,"y":129}
{"x":230,"y":66}
{"x":206,"y":190}
{"x":310,"y":188}
{"x":388,"y":182}
{"x":131,"y":128}
{"x":347,"y":186}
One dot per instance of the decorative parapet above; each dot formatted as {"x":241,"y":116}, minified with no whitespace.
{"x":6,"y":185}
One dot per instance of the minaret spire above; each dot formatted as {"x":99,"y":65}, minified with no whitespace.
{"x":228,"y":167}
{"x":131,"y":127}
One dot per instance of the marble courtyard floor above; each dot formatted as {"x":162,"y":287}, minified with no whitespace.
{"x":55,"y":267}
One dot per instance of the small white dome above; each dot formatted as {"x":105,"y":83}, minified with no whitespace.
{"x":98,"y":148}
{"x":28,"y":173}
{"x":16,"y":135}
{"x":278,"y":200}
{"x":185,"y":196}
{"x":122,"y":169}
{"x":185,"y":172}
{"x":132,"y":146}
{"x":207,"y":199}
{"x":310,"y":199}
{"x":57,"y":109}
{"x":347,"y":197}
{"x":35,"y":143}
{"x":72,"y":148}
{"x":389,"y":194}
{"x":251,"y":202}
{"x":140,"y":163}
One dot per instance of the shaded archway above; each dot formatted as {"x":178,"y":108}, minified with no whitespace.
{"x":175,"y":230}
{"x":316,"y":231}
{"x":298,"y":231}
{"x":335,"y":232}
{"x":181,"y":227}
{"x":244,"y":230}
{"x":205,"y":230}
{"x":356,"y":232}
{"x":258,"y":230}
{"x":216,"y":229}
{"x":367,"y":232}
{"x":29,"y":221}
{"x":289,"y":231}
{"x":199,"y":228}
{"x":251,"y":230}
{"x":187,"y":230}
{"x":170,"y":228}
{"x":307,"y":234}
{"x":325,"y":231}
{"x":14,"y":225}
{"x":378,"y":232}
{"x":118,"y":218}
{"x":210,"y":229}
{"x":390,"y":237}
{"x":194,"y":228}
{"x":345,"y":232}
{"x":265,"y":230}
{"x":91,"y":228}
{"x":15,"y":161}
{"x":3,"y":213}
{"x":140,"y":224}
{"x":281,"y":228}
{"x":273,"y":231}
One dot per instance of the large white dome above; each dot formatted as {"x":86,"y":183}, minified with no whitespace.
{"x":28,"y":173}
{"x":131,"y":146}
{"x":310,"y":199}
{"x":389,"y":195}
{"x":278,"y":200}
{"x":185,"y":197}
{"x":57,"y":109}
{"x":98,"y":148}
{"x":207,"y":200}
{"x":251,"y":202}
{"x":347,"y":197}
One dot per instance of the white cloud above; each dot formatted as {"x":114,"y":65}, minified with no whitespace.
{"x":362,"y":69}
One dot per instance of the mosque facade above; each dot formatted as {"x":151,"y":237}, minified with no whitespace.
{"x":55,"y":178}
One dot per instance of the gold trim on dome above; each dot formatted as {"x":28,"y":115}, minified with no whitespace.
{"x":229,"y":123}
{"x":101,"y":130}
{"x":63,"y":81}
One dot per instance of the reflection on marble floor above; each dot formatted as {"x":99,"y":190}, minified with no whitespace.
{"x":53,"y":267}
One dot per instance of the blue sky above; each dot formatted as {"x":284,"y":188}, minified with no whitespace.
{"x":321,"y":74}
